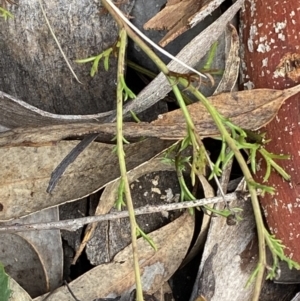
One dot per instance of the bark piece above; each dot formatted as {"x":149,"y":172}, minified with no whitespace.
{"x":33,"y":69}
{"x":180,"y":15}
{"x":174,"y":17}
{"x":269,"y":31}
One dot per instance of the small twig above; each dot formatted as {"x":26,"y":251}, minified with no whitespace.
{"x":70,"y":291}
{"x":74,"y":224}
{"x":57,"y":42}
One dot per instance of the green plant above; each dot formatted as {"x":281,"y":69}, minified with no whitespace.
{"x":5,"y":14}
{"x":231,"y":136}
{"x":96,"y":59}
{"x":5,"y":291}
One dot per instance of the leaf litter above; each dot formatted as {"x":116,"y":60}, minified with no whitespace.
{"x":25,"y":181}
{"x":265,"y":111}
{"x":113,"y":279}
{"x":108,"y":198}
{"x":26,"y":173}
{"x":249,"y":109}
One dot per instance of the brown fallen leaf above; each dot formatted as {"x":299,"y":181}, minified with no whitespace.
{"x":251,"y":110}
{"x":115,"y":278}
{"x":25,"y":173}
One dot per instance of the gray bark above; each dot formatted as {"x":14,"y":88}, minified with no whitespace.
{"x":33,"y":69}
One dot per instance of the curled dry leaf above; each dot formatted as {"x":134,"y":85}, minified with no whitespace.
{"x":117,"y":277}
{"x":26,"y":171}
{"x":17,"y":113}
{"x":231,"y":72}
{"x":251,"y":109}
{"x":22,"y":262}
{"x":47,"y":244}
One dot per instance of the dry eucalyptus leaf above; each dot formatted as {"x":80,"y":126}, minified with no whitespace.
{"x":113,"y":279}
{"x":32,"y":67}
{"x":228,"y":260}
{"x":18,"y":293}
{"x":18,"y":113}
{"x":231,"y":72}
{"x":25,"y":173}
{"x":47,"y":244}
{"x":251,"y":109}
{"x":108,"y":199}
{"x":22,"y":262}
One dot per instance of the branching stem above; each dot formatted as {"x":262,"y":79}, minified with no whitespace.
{"x":231,"y":140}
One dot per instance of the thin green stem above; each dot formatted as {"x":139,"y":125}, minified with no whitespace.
{"x":122,"y":164}
{"x":148,"y":51}
{"x":195,"y":138}
{"x":249,"y":179}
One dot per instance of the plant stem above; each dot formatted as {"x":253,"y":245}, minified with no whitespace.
{"x":122,"y":164}
{"x":224,"y":133}
{"x":157,"y":61}
{"x":249,"y":180}
{"x":119,"y":16}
